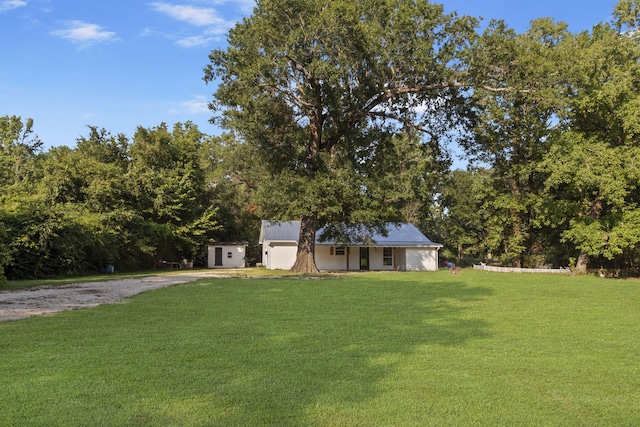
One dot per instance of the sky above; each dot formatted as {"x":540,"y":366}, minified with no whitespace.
{"x":120,"y":64}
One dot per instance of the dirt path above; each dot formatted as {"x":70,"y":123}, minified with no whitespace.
{"x":42,"y":300}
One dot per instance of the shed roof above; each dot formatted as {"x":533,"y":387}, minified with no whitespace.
{"x":227,"y":243}
{"x":404,"y":234}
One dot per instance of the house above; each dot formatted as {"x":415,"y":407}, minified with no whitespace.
{"x":226,"y":255}
{"x":404,"y":248}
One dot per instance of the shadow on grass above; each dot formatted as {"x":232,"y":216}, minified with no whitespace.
{"x":243,"y":352}
{"x":291,"y":349}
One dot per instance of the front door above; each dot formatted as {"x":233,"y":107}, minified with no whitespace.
{"x":218,"y":257}
{"x":364,"y":258}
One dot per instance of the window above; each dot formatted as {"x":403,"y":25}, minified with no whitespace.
{"x":387,"y":256}
{"x":340,"y":250}
{"x":229,"y":255}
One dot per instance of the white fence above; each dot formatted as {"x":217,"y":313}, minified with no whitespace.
{"x":521,"y":270}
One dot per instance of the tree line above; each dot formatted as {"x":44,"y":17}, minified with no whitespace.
{"x":342,"y":112}
{"x":111,"y":200}
{"x":351,"y":104}
{"x":559,"y":150}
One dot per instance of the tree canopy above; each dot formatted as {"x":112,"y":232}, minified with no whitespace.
{"x":109,"y":200}
{"x":317,"y":87}
{"x":317,"y":91}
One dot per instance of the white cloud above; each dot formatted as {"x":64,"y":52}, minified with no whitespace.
{"x":198,"y":105}
{"x":146,"y":32}
{"x":192,"y":15}
{"x":84,"y":34}
{"x":194,"y":41}
{"x":11,"y":4}
{"x":206,"y":17}
{"x":246,"y":6}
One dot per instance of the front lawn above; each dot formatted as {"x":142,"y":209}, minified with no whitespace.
{"x":374,"y":349}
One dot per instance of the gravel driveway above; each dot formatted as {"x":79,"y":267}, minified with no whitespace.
{"x":42,"y":300}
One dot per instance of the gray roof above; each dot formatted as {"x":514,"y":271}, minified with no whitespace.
{"x":397,"y":235}
{"x":284,"y":231}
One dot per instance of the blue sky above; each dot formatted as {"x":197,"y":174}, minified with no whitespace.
{"x":119,"y":64}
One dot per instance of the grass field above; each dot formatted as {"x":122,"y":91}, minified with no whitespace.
{"x":375,"y":349}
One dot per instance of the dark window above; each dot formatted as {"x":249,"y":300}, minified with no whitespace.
{"x":387,"y":256}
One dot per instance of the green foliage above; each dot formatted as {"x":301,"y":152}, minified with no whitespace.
{"x":109,"y":201}
{"x":517,"y":97}
{"x":5,"y":253}
{"x":626,"y":16}
{"x":18,"y":148}
{"x":557,"y":125}
{"x":316,"y":89}
{"x":591,"y":191}
{"x":167,"y":178}
{"x":597,"y":184}
{"x":465,"y":227}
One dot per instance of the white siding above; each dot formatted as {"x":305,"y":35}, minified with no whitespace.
{"x":376,"y":259}
{"x":279,"y":255}
{"x":326,"y":261}
{"x":400,"y":258}
{"x":233,"y":256}
{"x":421,"y":259}
{"x":282,"y":255}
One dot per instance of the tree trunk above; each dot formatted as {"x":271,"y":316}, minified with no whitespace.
{"x":582,"y":263}
{"x":305,"y":258}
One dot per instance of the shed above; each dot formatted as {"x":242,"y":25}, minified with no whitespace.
{"x":226,"y":255}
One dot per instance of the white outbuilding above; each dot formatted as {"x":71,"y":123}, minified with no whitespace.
{"x":226,"y":255}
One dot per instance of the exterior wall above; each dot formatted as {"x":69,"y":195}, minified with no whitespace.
{"x":422,"y":259}
{"x":233,"y":256}
{"x":279,"y":255}
{"x":376,"y":259}
{"x":326,"y":261}
{"x":354,"y":258}
{"x":400,"y":258}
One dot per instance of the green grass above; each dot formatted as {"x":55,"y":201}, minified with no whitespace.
{"x":376,"y":349}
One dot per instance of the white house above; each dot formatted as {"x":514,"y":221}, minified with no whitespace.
{"x":404,"y":248}
{"x":226,"y":255}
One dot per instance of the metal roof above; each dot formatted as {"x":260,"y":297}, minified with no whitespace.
{"x":287,"y":231}
{"x":227,"y":243}
{"x":397,"y":235}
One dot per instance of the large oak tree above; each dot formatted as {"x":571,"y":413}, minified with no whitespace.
{"x":316,"y":86}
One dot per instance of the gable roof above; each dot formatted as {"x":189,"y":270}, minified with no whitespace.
{"x":405,"y":234}
{"x":283,"y":231}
